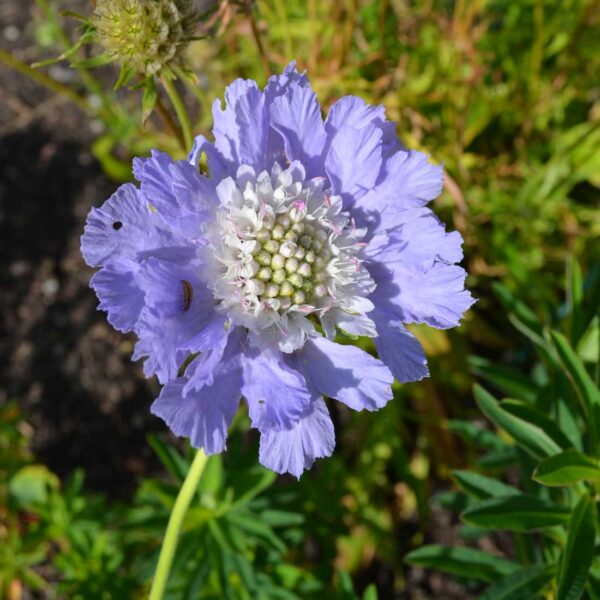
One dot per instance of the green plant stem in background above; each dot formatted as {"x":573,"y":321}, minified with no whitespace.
{"x":88,"y":79}
{"x":180,"y":111}
{"x":167,"y":552}
{"x":43,"y":79}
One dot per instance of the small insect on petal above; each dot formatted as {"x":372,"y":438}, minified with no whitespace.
{"x":188,"y":294}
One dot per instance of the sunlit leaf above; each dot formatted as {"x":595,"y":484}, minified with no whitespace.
{"x":567,"y":468}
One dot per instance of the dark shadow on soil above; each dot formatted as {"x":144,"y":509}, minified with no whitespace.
{"x":71,"y":373}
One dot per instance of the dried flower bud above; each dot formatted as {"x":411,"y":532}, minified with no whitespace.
{"x":145,"y":36}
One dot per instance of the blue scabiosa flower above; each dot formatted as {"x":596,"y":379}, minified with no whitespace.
{"x":302,"y":228}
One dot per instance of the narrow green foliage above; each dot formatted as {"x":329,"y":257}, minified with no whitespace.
{"x":585,"y":387}
{"x":481,"y":487}
{"x":578,"y":554}
{"x":462,"y":561}
{"x":567,"y":468}
{"x":525,"y":584}
{"x":516,"y":513}
{"x":534,"y":438}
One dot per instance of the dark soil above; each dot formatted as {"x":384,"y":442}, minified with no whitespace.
{"x":70,"y":372}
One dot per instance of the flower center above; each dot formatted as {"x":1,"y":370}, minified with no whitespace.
{"x":282,"y":249}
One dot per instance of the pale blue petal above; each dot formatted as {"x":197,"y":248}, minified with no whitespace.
{"x":203,"y":415}
{"x":124,"y":227}
{"x":277,"y":395}
{"x":183,"y":197}
{"x":407,"y":181}
{"x":296,"y":115}
{"x":346,"y":373}
{"x":241,"y":128}
{"x":436,"y":297}
{"x":119,"y":293}
{"x":399,"y":349}
{"x":354,"y":161}
{"x":295,"y":450}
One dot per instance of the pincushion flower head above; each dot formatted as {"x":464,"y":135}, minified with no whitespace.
{"x":146,"y":36}
{"x":301,"y":229}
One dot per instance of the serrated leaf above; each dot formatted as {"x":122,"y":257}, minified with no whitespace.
{"x":524,"y":584}
{"x":481,"y":486}
{"x":516,"y":513}
{"x":578,"y":553}
{"x":532,"y":437}
{"x":466,"y":562}
{"x":567,"y":468}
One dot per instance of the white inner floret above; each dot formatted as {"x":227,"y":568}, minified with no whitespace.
{"x":282,"y":250}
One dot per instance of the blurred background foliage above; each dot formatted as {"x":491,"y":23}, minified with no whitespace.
{"x":507,"y":96}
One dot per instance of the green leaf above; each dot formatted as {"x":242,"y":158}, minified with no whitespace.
{"x":148,"y":100}
{"x":524,"y":584}
{"x":169,"y":457}
{"x":508,"y":380}
{"x":526,"y":320}
{"x":370,"y":593}
{"x":212,"y":478}
{"x":454,"y":501}
{"x":532,"y":415}
{"x":502,"y":458}
{"x":29,"y":486}
{"x":527,"y":323}
{"x":90,"y":63}
{"x":575,"y":299}
{"x":476,"y":435}
{"x":578,"y":553}
{"x":589,"y":344}
{"x":466,"y":562}
{"x":346,"y":587}
{"x":584,"y":384}
{"x":481,"y":486}
{"x":516,"y":513}
{"x":126,"y":73}
{"x":533,"y":437}
{"x":281,"y":518}
{"x":567,"y":468}
{"x":250,"y":524}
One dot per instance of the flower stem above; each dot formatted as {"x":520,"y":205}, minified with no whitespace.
{"x":43,"y":79}
{"x":182,"y":503}
{"x":180,"y":111}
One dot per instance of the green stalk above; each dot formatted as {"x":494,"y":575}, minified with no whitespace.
{"x":180,"y":508}
{"x":88,"y":79}
{"x":43,"y":79}
{"x":180,"y":111}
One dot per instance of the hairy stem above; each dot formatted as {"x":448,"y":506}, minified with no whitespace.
{"x":180,"y":508}
{"x":40,"y":77}
{"x":180,"y":111}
